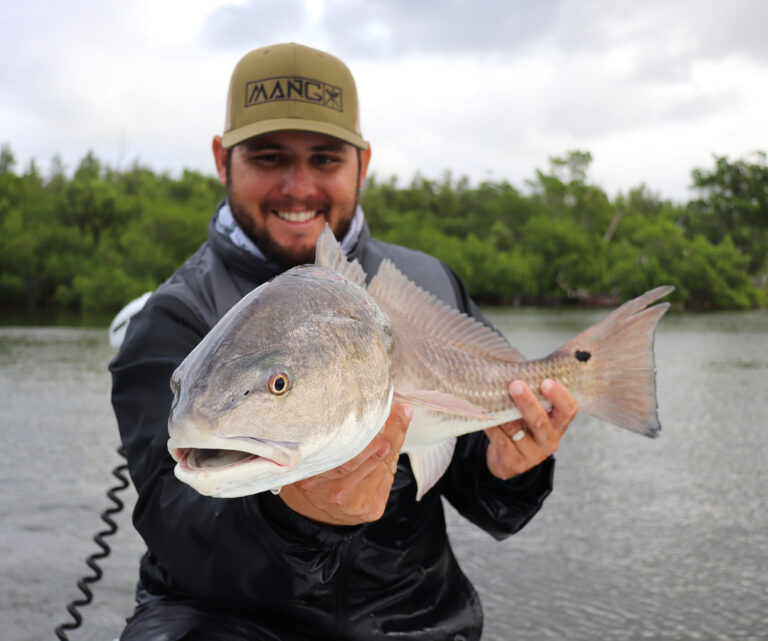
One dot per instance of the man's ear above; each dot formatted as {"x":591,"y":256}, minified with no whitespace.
{"x":365,"y":158}
{"x":220,"y":156}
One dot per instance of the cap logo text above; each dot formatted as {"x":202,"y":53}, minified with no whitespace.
{"x":259,"y":92}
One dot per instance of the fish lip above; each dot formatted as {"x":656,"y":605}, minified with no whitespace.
{"x":189,"y":457}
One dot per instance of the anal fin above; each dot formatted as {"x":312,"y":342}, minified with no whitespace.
{"x":429,"y":464}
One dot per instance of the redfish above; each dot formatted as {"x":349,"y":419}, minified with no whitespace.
{"x":298,"y":377}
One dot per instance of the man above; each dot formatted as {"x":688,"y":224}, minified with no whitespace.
{"x":348,"y":554}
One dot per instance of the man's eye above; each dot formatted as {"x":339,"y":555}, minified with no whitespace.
{"x":325,"y":161}
{"x":267,"y":159}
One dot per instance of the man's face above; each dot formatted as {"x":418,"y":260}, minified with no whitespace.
{"x":284,"y":186}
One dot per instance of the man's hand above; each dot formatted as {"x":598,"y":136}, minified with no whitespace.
{"x":358,"y":490}
{"x":518,"y":446}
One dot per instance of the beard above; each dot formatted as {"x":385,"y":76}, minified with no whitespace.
{"x":282,"y":256}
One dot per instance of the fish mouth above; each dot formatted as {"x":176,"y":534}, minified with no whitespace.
{"x":220,"y":455}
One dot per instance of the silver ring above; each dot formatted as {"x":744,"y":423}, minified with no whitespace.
{"x":519,"y":435}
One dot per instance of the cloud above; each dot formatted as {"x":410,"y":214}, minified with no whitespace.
{"x":395,"y":29}
{"x":482,"y":88}
{"x":127,"y":80}
{"x":382,"y":29}
{"x":250,"y":25}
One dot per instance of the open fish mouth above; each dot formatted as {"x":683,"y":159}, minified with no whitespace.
{"x":192,"y":459}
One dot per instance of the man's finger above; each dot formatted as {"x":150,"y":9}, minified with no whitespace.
{"x":389,"y":438}
{"x":504,"y":459}
{"x":386,"y":448}
{"x":370,"y":457}
{"x":533,"y":413}
{"x":564,"y":405}
{"x":397,"y":424}
{"x":385,"y":445}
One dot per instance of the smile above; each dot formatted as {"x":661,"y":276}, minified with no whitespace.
{"x":297,"y":216}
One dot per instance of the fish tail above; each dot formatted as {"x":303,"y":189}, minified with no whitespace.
{"x":618,"y":354}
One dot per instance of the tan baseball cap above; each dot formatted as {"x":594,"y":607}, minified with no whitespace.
{"x":291,"y":87}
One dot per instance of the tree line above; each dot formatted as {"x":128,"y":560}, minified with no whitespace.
{"x":102,"y":236}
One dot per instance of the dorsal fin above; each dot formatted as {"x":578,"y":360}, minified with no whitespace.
{"x":328,"y":254}
{"x":393,"y":291}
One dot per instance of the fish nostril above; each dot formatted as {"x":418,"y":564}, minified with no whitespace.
{"x":176,"y":389}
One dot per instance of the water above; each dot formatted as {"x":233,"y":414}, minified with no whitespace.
{"x":642,"y":539}
{"x":59,"y":440}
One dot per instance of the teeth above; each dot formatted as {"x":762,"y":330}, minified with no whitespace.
{"x":296,"y":216}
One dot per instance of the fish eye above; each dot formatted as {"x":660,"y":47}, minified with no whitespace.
{"x":279,"y":383}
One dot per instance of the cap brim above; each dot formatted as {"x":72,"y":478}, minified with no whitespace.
{"x":232,"y":138}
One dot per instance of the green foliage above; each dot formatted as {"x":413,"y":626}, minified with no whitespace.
{"x":734,"y":202}
{"x":102,"y":237}
{"x":568,"y":241}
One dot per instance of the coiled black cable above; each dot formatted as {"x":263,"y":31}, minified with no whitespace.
{"x":92,"y":561}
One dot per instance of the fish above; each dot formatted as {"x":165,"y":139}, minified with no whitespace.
{"x":299,"y":376}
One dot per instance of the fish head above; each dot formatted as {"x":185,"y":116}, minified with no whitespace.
{"x":293,"y":381}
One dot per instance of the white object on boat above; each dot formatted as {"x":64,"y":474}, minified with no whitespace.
{"x":120,"y":323}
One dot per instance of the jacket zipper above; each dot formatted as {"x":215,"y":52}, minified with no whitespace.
{"x":341,"y":591}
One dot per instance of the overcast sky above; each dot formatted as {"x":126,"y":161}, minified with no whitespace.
{"x":487,"y":89}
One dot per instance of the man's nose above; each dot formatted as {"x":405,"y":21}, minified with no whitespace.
{"x":298,"y":181}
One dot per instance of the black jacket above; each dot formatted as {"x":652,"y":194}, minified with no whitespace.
{"x":394,"y":578}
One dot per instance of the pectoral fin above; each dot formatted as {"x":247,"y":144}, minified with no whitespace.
{"x":442,"y":402}
{"x":429,"y":464}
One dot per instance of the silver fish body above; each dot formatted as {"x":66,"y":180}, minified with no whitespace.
{"x":299,"y":376}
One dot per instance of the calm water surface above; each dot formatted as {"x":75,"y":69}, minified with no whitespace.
{"x":642,"y":539}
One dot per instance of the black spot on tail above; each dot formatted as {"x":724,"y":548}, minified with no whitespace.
{"x":582,"y":356}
